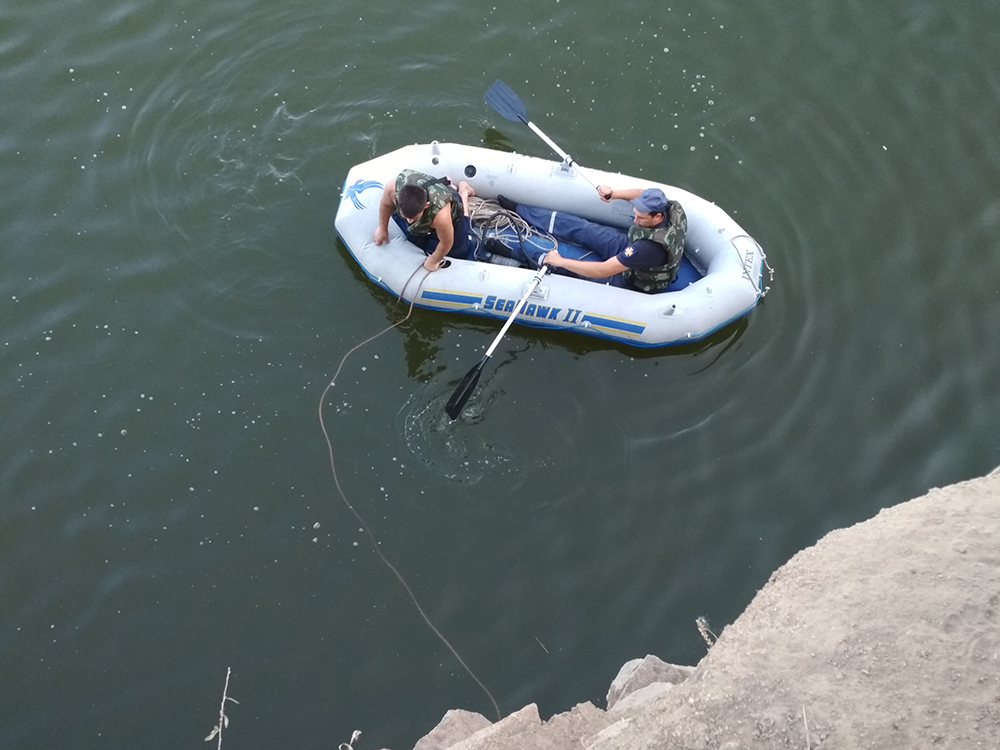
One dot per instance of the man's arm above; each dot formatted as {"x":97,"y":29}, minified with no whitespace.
{"x":465,"y":190}
{"x":591,"y":269}
{"x":446,"y":238}
{"x":386,"y":206}
{"x":607,"y":194}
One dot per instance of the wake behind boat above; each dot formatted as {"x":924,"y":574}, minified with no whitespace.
{"x":720,"y":281}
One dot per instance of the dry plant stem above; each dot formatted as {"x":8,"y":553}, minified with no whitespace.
{"x":806,"y":722}
{"x":223,"y":719}
{"x":222,"y":706}
{"x":703,"y":629}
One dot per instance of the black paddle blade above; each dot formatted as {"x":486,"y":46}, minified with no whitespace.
{"x":502,"y":98}
{"x":457,"y":401}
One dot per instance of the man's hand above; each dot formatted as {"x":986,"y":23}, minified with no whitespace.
{"x":553,"y":258}
{"x":605,"y":192}
{"x":430,"y":264}
{"x":381,"y":236}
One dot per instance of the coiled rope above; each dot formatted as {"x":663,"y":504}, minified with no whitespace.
{"x":364,"y":524}
{"x":491,"y":221}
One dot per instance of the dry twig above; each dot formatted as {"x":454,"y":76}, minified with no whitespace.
{"x":702,"y":624}
{"x":350,"y":745}
{"x":223,"y":719}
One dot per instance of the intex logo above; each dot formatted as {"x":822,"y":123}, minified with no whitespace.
{"x":747,"y":265}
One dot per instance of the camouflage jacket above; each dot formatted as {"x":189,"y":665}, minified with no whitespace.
{"x":671,"y":236}
{"x":439,"y":195}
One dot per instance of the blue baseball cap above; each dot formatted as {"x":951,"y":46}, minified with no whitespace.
{"x":651,"y":201}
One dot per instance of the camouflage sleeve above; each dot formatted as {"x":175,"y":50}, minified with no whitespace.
{"x":402,"y":178}
{"x":678,"y":219}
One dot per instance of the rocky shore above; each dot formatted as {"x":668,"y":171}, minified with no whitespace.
{"x":883,"y":635}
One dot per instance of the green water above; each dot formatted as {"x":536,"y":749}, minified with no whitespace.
{"x":174,"y":300}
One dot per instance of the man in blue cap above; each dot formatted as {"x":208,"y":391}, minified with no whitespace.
{"x":646,"y":258}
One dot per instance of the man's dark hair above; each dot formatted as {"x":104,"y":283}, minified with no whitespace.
{"x":411,"y":200}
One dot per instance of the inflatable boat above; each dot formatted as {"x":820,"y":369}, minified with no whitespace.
{"x":720,"y":281}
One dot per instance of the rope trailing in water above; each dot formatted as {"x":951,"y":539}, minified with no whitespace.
{"x":364,"y":525}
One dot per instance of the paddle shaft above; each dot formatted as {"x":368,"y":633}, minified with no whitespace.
{"x":566,"y":157}
{"x":534,"y":284}
{"x":457,"y":401}
{"x":508,"y":104}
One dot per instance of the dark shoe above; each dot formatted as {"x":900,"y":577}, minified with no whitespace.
{"x":506,"y":203}
{"x":496,"y":247}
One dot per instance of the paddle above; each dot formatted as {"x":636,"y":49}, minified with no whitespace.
{"x":502,"y":98}
{"x":457,"y":401}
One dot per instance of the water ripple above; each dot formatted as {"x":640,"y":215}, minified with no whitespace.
{"x":172,"y":289}
{"x":456,"y":450}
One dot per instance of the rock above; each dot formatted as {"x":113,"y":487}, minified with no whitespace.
{"x":608,"y":733}
{"x":642,"y":695}
{"x":505,"y":733}
{"x":883,"y":635}
{"x":639,"y":673}
{"x":571,"y":729}
{"x":456,"y":726}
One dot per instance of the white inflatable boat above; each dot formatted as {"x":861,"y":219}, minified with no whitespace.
{"x":725,"y":284}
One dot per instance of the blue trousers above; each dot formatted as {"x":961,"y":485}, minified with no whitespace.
{"x":462,"y":247}
{"x":604,"y":241}
{"x":600,"y":241}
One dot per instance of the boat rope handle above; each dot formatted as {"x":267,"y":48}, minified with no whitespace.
{"x":763,"y":260}
{"x":748,"y":271}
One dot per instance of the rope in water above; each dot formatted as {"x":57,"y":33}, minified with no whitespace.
{"x":364,"y":525}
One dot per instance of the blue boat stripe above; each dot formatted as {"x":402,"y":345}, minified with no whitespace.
{"x":617,"y":325}
{"x":464,"y":299}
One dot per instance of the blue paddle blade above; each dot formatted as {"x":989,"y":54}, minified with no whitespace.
{"x":502,"y":98}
